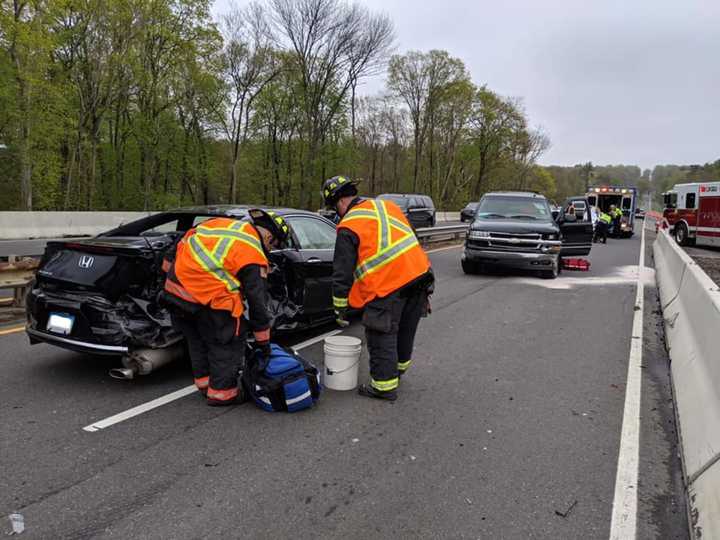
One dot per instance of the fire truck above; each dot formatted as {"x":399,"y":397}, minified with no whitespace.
{"x":623,"y":197}
{"x":693,"y":213}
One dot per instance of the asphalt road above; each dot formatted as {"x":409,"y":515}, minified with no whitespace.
{"x":508,"y":426}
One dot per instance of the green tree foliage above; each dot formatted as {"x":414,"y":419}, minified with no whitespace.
{"x":150,"y":104}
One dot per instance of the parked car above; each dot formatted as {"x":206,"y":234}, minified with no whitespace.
{"x":639,"y":213}
{"x":468,"y":213}
{"x":100,"y":295}
{"x":519,"y":230}
{"x":419,"y":209}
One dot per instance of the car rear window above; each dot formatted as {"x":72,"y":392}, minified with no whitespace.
{"x":402,"y":202}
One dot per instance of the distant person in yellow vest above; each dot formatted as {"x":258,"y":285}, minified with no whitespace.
{"x":615,"y":215}
{"x":379,"y":266}
{"x":219,"y":265}
{"x":601,"y":227}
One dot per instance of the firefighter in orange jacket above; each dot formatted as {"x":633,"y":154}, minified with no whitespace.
{"x":379,"y":266}
{"x":218,"y":265}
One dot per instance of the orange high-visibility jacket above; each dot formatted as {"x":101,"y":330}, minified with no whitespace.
{"x":208,"y":260}
{"x":389,"y":255}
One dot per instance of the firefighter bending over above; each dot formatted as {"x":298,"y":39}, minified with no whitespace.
{"x":380,"y":266}
{"x":218,"y":265}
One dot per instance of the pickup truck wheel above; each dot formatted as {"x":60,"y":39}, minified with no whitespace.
{"x":469,"y":267}
{"x":553,"y":272}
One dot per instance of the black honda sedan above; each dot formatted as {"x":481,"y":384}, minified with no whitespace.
{"x":100,"y":295}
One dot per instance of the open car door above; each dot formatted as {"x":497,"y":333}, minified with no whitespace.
{"x":577,"y":236}
{"x":313,"y":264}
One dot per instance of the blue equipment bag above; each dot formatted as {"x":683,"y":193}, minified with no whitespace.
{"x":286,"y":382}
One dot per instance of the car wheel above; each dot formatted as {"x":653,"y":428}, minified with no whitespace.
{"x":469,"y":267}
{"x":554,"y":271}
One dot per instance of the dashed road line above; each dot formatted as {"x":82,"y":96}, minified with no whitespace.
{"x":177,"y":394}
{"x":624,"y":511}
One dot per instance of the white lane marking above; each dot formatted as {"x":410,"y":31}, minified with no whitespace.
{"x":624,"y":512}
{"x":444,"y":248}
{"x":140,"y":409}
{"x":177,"y":394}
{"x":314,"y":340}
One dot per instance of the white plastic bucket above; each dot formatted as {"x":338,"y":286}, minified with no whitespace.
{"x":342,"y":359}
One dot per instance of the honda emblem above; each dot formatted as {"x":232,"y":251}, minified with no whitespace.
{"x":86,"y":261}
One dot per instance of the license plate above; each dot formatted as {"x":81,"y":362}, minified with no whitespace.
{"x":60,"y":323}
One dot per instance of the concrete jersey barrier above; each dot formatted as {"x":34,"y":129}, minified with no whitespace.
{"x":691,"y":309}
{"x":27,"y":225}
{"x":30,"y":225}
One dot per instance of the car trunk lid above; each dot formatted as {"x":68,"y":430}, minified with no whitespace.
{"x":110,"y":266}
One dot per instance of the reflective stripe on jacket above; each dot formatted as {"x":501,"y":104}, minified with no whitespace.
{"x":208,"y":260}
{"x":389,"y":255}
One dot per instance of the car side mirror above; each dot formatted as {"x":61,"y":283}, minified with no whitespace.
{"x":556,"y":215}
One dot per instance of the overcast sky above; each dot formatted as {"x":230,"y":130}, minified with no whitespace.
{"x":632,"y":81}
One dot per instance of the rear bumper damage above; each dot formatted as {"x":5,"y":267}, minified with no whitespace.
{"x":100,"y":326}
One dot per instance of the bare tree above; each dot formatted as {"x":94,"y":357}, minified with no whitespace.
{"x":250,"y":64}
{"x":334,"y":45}
{"x":420,"y":79}
{"x":395,"y":122}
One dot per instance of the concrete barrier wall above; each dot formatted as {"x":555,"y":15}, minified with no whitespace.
{"x":23,"y":225}
{"x":691,"y":309}
{"x":27,"y":225}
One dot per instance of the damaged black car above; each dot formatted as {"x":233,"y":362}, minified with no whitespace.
{"x":100,"y":295}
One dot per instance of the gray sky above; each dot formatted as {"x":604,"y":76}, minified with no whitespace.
{"x":633,"y":81}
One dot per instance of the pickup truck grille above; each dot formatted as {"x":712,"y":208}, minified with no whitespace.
{"x":512,"y":242}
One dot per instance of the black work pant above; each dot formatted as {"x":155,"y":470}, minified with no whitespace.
{"x":390,"y":327}
{"x":601,"y":229}
{"x":216,"y":350}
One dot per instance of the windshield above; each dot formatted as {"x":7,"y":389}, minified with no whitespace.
{"x":513,"y":208}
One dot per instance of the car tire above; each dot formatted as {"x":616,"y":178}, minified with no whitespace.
{"x":470,"y":267}
{"x":554,"y":272}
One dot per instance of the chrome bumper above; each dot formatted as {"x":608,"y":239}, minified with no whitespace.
{"x":74,"y":344}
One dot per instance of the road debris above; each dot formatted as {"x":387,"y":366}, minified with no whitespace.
{"x":18,"y":523}
{"x":566,"y":513}
{"x":468,"y":500}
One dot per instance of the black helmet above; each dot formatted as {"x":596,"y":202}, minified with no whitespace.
{"x":336,"y":187}
{"x":272,"y":222}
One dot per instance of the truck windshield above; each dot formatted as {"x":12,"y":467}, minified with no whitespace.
{"x":513,"y":208}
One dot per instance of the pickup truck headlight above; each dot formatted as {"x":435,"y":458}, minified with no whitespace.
{"x":478,"y":235}
{"x":552,"y":236}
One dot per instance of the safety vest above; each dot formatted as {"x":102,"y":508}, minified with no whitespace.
{"x":605,"y":218}
{"x":389,"y":255}
{"x":617,"y":213}
{"x":208,"y":260}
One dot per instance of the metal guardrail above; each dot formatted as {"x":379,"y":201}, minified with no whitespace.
{"x":17,"y":275}
{"x":428,"y":235}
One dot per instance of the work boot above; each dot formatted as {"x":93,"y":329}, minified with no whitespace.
{"x":237,"y":400}
{"x":368,"y":391}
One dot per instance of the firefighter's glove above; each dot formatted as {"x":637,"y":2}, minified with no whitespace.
{"x":341,"y":307}
{"x":340,"y":317}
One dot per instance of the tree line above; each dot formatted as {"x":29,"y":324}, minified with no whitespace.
{"x":147,"y":104}
{"x":150,"y":104}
